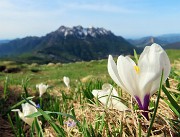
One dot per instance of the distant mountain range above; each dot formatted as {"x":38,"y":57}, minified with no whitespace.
{"x":67,"y":45}
{"x":4,"y":41}
{"x":77,"y":44}
{"x":175,"y":45}
{"x":167,"y":41}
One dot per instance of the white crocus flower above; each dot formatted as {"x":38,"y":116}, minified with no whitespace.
{"x":42,"y":88}
{"x":141,"y":80}
{"x":27,"y":109}
{"x":109,"y":92}
{"x":66,"y":81}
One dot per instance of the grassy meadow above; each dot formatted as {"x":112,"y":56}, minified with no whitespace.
{"x":75,"y":112}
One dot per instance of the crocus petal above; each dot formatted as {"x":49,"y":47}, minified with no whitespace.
{"x":107,"y":86}
{"x":27,"y":109}
{"x":66,"y":81}
{"x":29,"y":121}
{"x":144,"y":105}
{"x":21,"y":115}
{"x":151,"y":62}
{"x":42,"y":88}
{"x":102,"y":96}
{"x":116,"y":104}
{"x":113,"y":102}
{"x":128,"y":75}
{"x":143,"y":80}
{"x":113,"y":72}
{"x":15,"y":110}
{"x":149,"y":65}
{"x":166,"y":65}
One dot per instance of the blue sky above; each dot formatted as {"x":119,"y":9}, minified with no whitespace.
{"x":128,"y":18}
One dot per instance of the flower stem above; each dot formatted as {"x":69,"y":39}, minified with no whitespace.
{"x":40,"y":101}
{"x":144,"y":106}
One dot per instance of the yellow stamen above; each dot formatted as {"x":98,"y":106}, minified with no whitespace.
{"x":137,"y":69}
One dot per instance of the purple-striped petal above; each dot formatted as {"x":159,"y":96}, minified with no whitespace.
{"x":144,"y":105}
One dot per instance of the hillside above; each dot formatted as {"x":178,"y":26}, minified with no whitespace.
{"x":4,"y":41}
{"x":163,"y":40}
{"x":175,"y":45}
{"x":170,"y":38}
{"x":146,"y":41}
{"x":67,"y":45}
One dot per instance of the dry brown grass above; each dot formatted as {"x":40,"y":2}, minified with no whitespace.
{"x":129,"y":120}
{"x":114,"y":120}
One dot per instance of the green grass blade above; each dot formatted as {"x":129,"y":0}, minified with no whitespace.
{"x":156,"y":106}
{"x":92,"y":131}
{"x":172,"y":107}
{"x":167,"y":83}
{"x":32,"y":129}
{"x":17,"y":104}
{"x":121,"y":128}
{"x":38,"y":128}
{"x":172,"y":101}
{"x":36,"y":114}
{"x":136,"y":56}
{"x":19,"y":126}
{"x":58,"y":129}
{"x":11,"y":123}
{"x":6,"y":82}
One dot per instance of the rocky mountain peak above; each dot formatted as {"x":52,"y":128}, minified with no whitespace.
{"x":81,"y":32}
{"x":67,"y":44}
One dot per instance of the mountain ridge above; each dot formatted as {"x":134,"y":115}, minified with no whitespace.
{"x":163,"y":40}
{"x":67,"y":45}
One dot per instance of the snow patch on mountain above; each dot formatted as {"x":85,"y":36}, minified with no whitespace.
{"x":81,"y":32}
